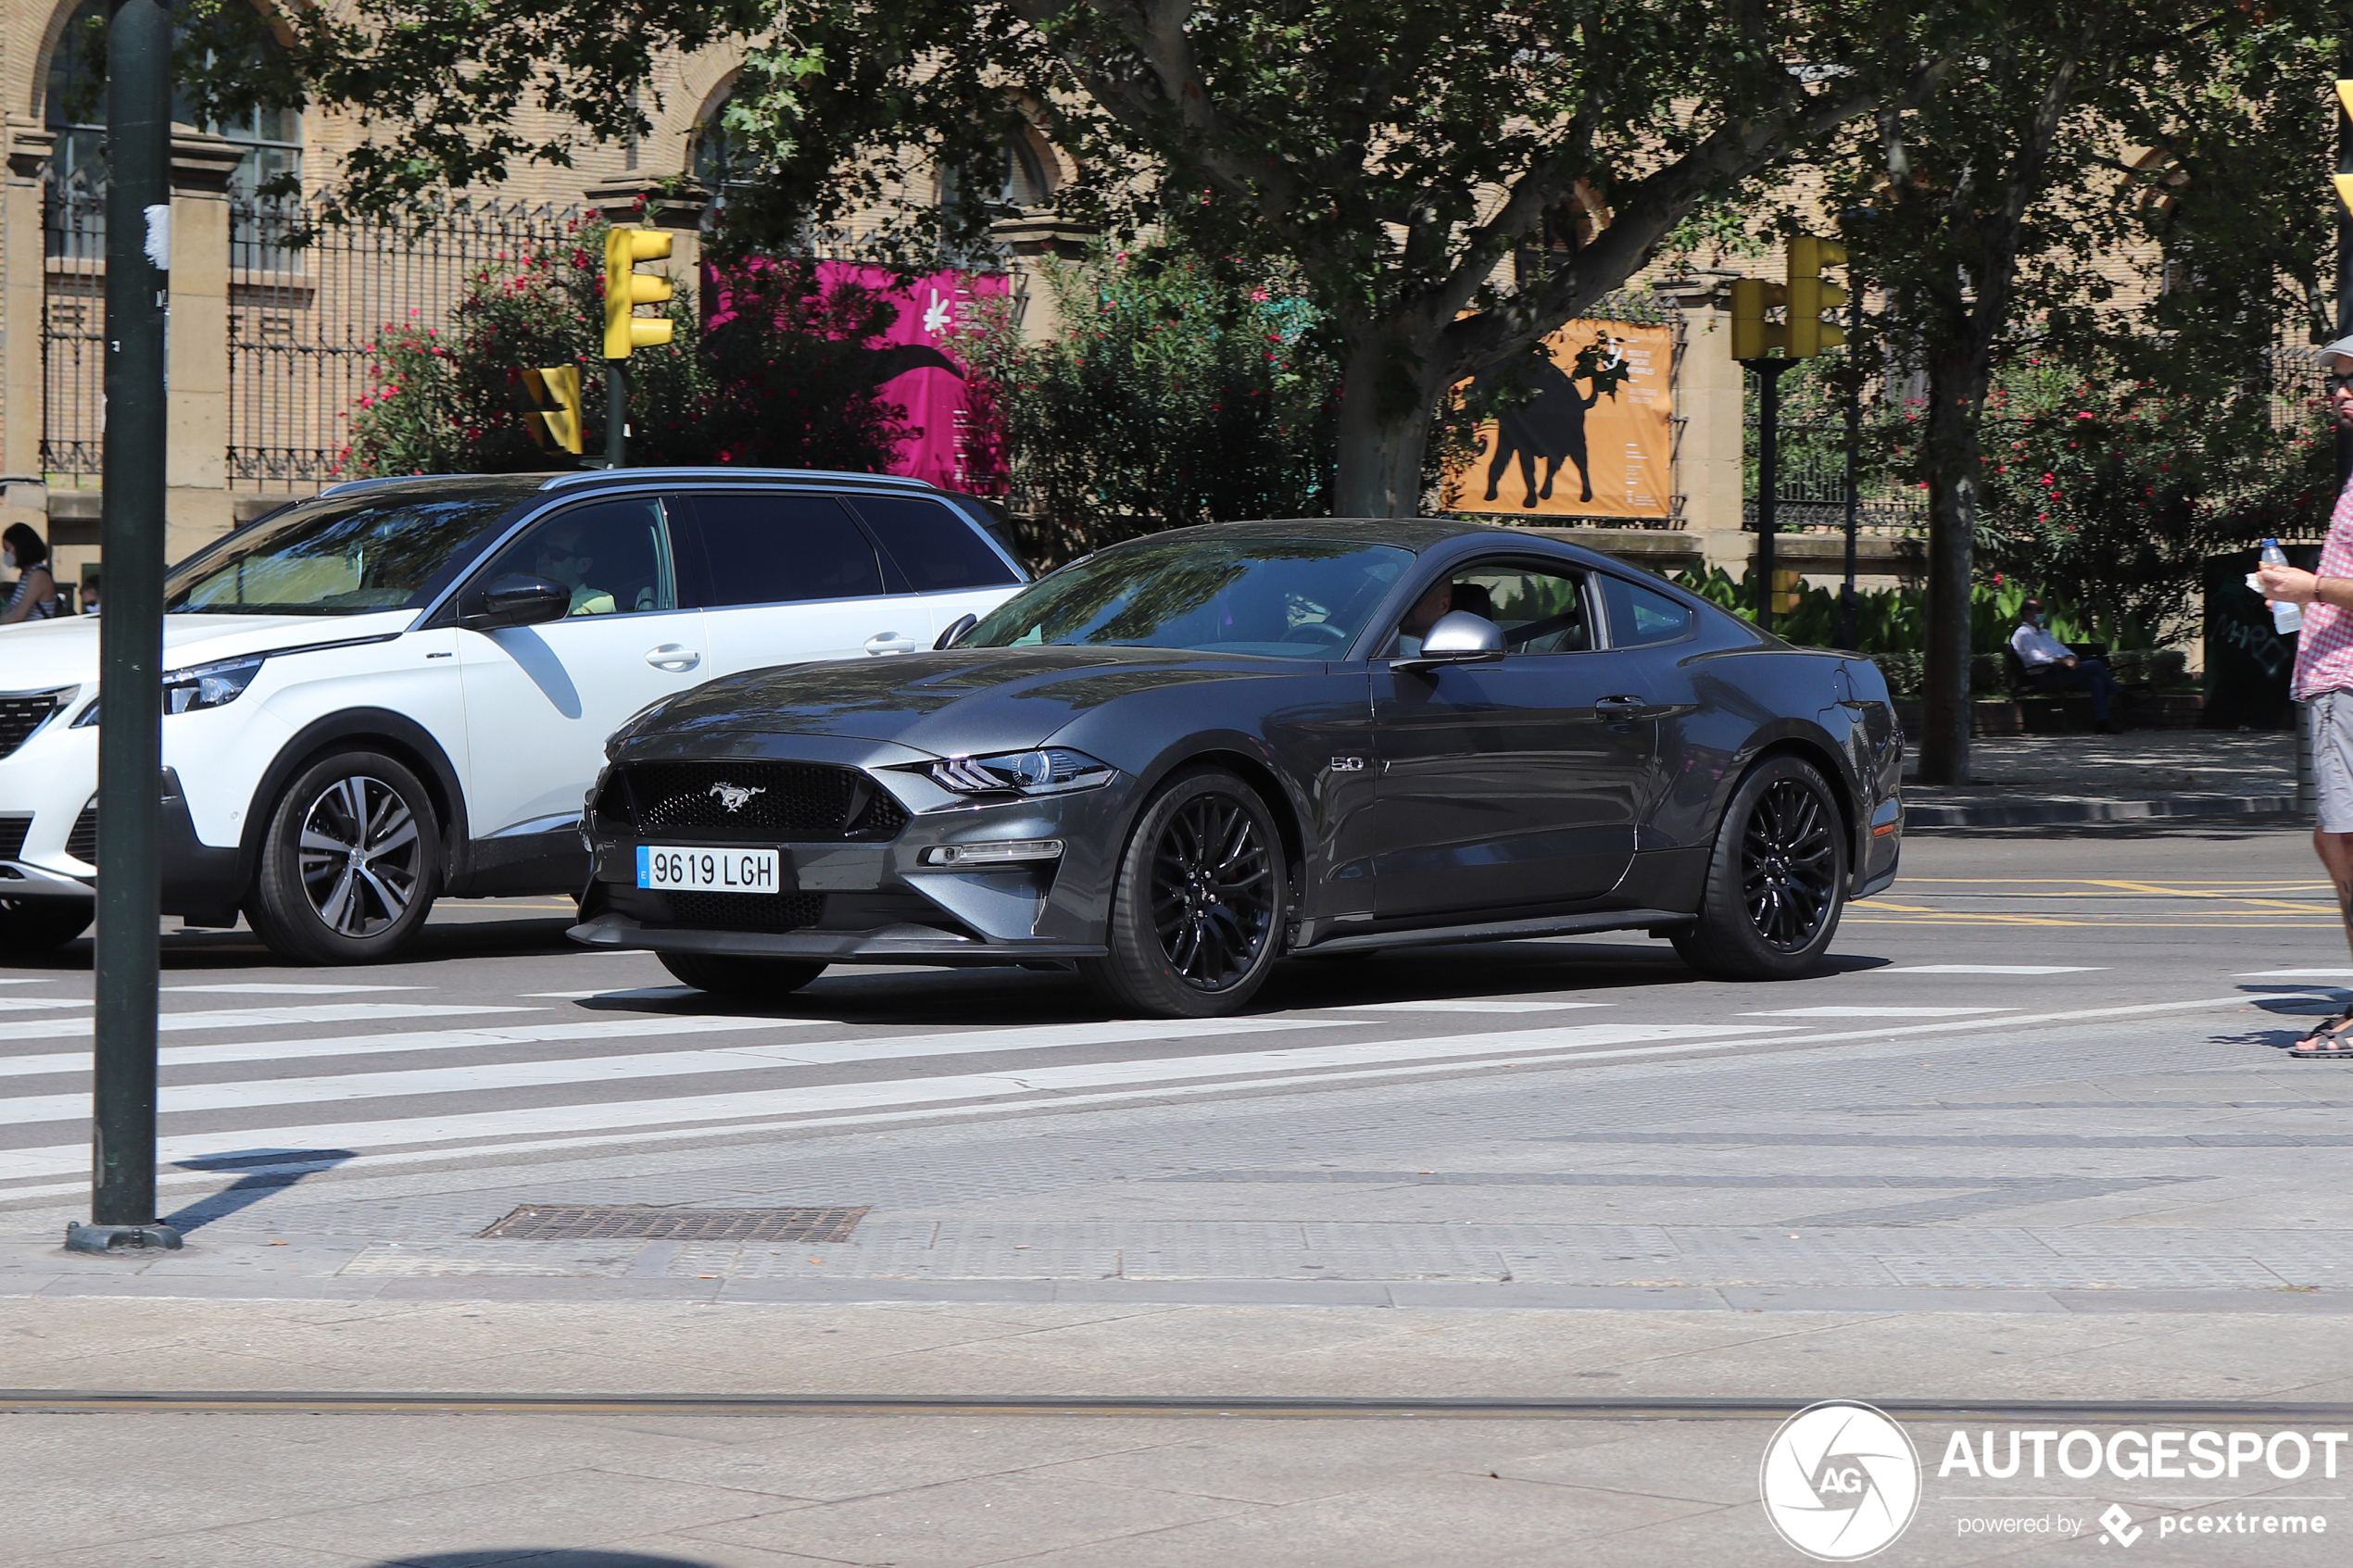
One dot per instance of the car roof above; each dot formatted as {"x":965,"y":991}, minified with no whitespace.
{"x":1416,"y":534}
{"x":520,"y":484}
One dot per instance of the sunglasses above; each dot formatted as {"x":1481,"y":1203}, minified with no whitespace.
{"x":2338,"y":384}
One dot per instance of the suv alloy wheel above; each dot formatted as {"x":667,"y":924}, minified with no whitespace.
{"x":350,"y":864}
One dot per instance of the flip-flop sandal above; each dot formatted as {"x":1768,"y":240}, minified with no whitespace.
{"x":2329,"y":1040}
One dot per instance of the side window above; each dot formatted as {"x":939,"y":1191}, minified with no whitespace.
{"x":614,"y":556}
{"x":1639,"y":616}
{"x":937,"y":546}
{"x":1540,"y":611}
{"x":781,"y":549}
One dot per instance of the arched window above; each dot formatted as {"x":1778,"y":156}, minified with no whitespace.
{"x":74,"y":107}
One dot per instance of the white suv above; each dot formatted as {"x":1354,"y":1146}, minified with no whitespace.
{"x":401,"y":689}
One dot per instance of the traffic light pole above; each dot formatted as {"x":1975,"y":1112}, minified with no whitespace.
{"x":122,"y":1198}
{"x":1768,"y":475}
{"x":616,"y":413}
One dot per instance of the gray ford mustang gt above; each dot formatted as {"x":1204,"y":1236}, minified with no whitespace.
{"x":1182,"y":758}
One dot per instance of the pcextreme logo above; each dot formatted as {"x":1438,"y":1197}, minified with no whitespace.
{"x":1840,"y":1481}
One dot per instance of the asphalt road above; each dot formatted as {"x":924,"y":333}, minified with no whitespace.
{"x":2043,"y":1063}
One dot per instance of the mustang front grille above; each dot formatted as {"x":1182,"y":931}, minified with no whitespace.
{"x":789,"y":802}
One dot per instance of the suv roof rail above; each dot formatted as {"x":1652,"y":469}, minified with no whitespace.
{"x":351,"y":485}
{"x":728,"y":471}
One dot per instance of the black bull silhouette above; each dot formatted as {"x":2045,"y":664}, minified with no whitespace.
{"x":1549,"y":425}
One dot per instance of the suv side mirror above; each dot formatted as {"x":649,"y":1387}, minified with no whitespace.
{"x":1459,"y":637}
{"x":515,"y":600}
{"x":955,"y":632}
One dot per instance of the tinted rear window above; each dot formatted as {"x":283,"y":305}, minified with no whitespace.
{"x":937,"y":546}
{"x":756,"y":549}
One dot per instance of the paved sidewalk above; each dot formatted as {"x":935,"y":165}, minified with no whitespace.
{"x":2142,"y":775}
{"x":636,"y":1488}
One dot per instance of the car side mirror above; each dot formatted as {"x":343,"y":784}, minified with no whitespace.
{"x":515,"y":600}
{"x":955,"y":632}
{"x":1459,"y":637}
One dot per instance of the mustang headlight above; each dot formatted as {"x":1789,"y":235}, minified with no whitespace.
{"x":1052,"y":770}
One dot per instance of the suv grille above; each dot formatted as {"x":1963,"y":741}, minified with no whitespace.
{"x":12,"y":832}
{"x":82,"y":842}
{"x":792,"y":802}
{"x":745,"y":911}
{"x":19,"y":716}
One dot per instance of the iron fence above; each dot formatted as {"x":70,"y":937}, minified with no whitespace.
{"x":309,"y":298}
{"x":73,"y":309}
{"x":1811,"y":492}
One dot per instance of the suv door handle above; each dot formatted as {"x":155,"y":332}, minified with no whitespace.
{"x":892,"y":642}
{"x":1618,"y":706}
{"x":672,"y":656}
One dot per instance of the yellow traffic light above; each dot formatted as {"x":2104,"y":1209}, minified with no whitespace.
{"x":1752,"y":333}
{"x":555,"y":397}
{"x":626,"y":289}
{"x":1789,"y":591}
{"x":1810,"y":295}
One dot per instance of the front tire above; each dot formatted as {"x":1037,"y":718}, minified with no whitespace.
{"x":35,"y":925}
{"x":1197,"y":914}
{"x":1776,"y":882}
{"x":350,"y":863}
{"x":731,"y":974}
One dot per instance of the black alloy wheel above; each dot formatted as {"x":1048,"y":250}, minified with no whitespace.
{"x":351,"y":864}
{"x":1789,"y":865}
{"x":1777,"y":883}
{"x":1197,"y":916}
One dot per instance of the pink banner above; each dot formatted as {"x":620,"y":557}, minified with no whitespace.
{"x":933,"y":392}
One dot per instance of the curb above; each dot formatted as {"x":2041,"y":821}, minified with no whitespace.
{"x":2028,"y":814}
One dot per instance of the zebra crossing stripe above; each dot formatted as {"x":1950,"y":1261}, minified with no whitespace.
{"x":258,"y":1018}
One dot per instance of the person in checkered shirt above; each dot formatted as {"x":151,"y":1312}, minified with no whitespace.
{"x":2324,"y":685}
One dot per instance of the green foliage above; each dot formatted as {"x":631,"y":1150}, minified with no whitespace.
{"x":784,"y":378}
{"x":1172,"y":396}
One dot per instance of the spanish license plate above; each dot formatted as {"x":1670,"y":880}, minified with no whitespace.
{"x":708,"y":871}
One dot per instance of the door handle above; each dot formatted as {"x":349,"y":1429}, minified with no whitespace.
{"x":1618,"y":706}
{"x":672,"y":656}
{"x":891,"y":642}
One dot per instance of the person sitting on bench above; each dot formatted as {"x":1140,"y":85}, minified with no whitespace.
{"x":2052,"y":666}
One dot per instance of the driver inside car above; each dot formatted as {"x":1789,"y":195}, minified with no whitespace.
{"x":562,"y":561}
{"x":1426,"y":612}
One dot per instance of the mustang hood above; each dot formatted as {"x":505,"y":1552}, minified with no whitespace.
{"x":960,"y":702}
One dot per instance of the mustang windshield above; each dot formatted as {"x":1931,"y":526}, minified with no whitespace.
{"x":338,"y":558}
{"x":1279,"y":598}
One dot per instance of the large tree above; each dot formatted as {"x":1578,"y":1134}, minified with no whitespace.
{"x":1401,"y":155}
{"x":2000,"y":206}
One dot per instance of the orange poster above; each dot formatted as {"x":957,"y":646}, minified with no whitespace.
{"x":1576,"y":449}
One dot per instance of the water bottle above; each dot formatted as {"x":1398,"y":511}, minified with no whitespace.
{"x":2285,"y":617}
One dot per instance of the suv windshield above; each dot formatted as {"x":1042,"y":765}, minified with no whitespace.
{"x":337,"y":557}
{"x":1280,"y":599}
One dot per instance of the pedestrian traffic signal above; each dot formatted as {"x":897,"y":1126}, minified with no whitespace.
{"x":626,"y":289}
{"x":1752,"y":333}
{"x":555,"y":404}
{"x":2345,"y":182}
{"x":1810,"y":295}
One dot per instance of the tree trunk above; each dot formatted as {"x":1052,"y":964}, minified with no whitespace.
{"x":1955,"y":396}
{"x":1385,"y":409}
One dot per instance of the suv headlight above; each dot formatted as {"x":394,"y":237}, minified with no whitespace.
{"x":1052,"y":770}
{"x":201,"y":686}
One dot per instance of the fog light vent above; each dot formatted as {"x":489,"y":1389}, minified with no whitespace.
{"x":1003,"y":852}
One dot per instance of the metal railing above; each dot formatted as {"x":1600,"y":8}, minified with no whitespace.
{"x":73,"y":307}
{"x":309,"y":298}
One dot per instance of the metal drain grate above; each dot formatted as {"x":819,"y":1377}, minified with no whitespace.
{"x":644,"y":1223}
